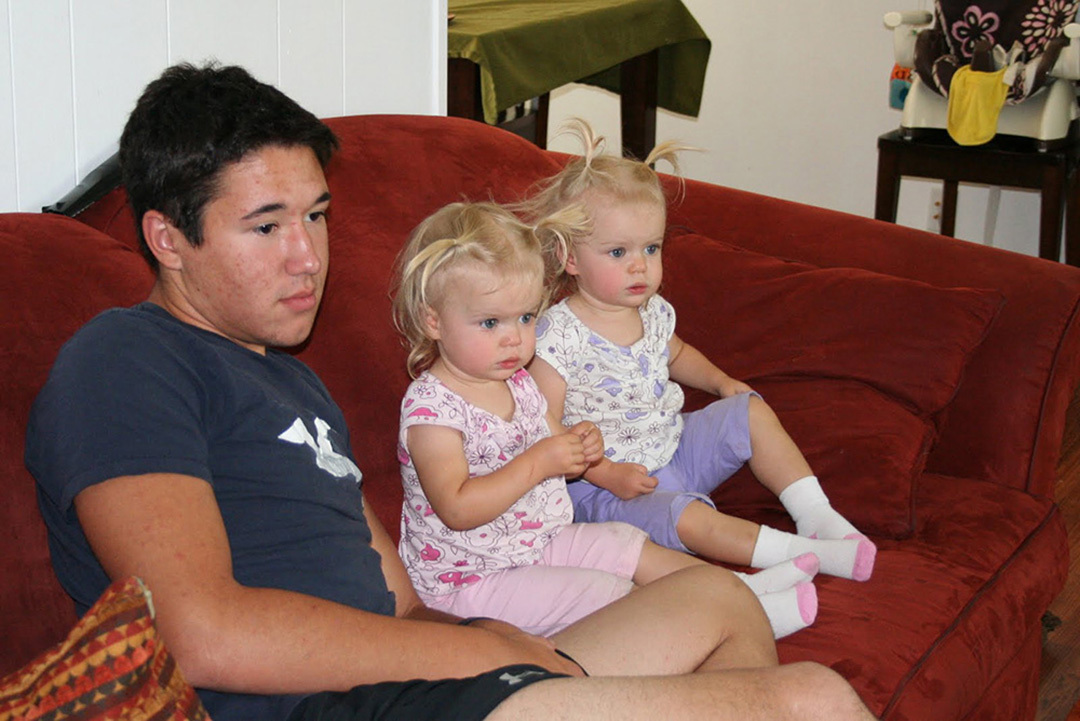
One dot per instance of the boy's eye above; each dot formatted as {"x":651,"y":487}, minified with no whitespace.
{"x":652,"y":249}
{"x":527,"y":318}
{"x":265,"y":228}
{"x":617,"y":252}
{"x":316,"y":216}
{"x":489,"y":323}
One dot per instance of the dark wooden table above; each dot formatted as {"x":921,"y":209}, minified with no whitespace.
{"x":504,"y":52}
{"x":1004,"y":161}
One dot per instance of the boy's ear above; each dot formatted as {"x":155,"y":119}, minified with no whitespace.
{"x":431,"y":323}
{"x":162,"y":238}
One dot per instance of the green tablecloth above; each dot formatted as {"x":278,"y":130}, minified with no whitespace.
{"x":528,"y":47}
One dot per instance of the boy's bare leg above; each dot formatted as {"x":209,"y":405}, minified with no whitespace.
{"x":803,"y":691}
{"x":701,"y":618}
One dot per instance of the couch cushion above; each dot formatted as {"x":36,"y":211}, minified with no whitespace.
{"x":855,"y":363}
{"x":112,"y":665}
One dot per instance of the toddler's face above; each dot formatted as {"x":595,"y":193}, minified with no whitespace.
{"x":486,"y":325}
{"x":620,"y":263}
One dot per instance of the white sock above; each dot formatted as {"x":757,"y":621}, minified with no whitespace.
{"x":783,"y":575}
{"x":848,"y":558}
{"x":790,"y":610}
{"x":814,"y":517}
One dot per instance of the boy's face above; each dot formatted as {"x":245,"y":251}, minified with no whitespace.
{"x":620,"y":264}
{"x":258,"y":276}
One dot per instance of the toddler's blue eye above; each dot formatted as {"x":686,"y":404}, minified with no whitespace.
{"x":652,"y":249}
{"x":528,"y":318}
{"x":617,"y":252}
{"x":489,"y":323}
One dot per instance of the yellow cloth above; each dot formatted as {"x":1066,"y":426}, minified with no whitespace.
{"x":975,"y":101}
{"x":528,"y":47}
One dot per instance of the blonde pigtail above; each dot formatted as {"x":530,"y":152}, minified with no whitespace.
{"x":557,"y":234}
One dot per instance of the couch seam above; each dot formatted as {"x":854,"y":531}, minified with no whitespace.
{"x":1054,"y":371}
{"x":950,"y":630}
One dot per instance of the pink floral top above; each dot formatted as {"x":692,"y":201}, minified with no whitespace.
{"x":440,"y":560}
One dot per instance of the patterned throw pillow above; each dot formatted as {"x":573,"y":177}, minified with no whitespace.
{"x":112,"y":665}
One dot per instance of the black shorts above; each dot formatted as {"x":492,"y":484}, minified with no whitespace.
{"x":464,"y":699}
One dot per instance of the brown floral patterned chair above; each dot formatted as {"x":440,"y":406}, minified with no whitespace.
{"x":1034,"y":43}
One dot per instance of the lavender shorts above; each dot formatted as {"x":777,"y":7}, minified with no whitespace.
{"x":715,"y":443}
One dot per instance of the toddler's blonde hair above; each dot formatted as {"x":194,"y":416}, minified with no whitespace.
{"x":481,"y":235}
{"x":594,"y":173}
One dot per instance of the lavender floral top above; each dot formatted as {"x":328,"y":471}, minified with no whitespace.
{"x":440,"y":560}
{"x":624,"y":390}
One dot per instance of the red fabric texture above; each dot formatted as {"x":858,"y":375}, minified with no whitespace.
{"x":943,"y":630}
{"x":909,"y":340}
{"x":1022,"y":374}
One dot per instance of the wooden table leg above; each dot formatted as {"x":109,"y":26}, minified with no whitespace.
{"x":637,"y":104}
{"x":463,"y":89}
{"x":950,"y":189}
{"x":888,"y":184}
{"x":1050,"y":211}
{"x":1072,"y":217}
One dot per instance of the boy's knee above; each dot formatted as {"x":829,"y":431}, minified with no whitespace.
{"x":817,"y":692}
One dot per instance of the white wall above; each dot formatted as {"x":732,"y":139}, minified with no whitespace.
{"x":796,"y":95}
{"x":70,"y":70}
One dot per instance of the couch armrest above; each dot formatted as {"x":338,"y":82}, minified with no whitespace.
{"x":1007,"y":420}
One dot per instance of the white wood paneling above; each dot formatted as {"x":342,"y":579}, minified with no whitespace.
{"x":311,"y":55}
{"x":40,"y":36}
{"x":70,"y":70}
{"x":372,"y":45}
{"x":119,"y":46}
{"x":237,"y":32}
{"x":9,"y":171}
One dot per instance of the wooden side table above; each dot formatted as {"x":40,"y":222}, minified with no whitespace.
{"x":1005,"y":162}
{"x":504,"y":52}
{"x":637,"y":103}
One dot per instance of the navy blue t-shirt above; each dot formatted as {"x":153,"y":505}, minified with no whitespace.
{"x":137,"y":391}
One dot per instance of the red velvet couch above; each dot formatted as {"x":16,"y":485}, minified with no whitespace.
{"x":926,"y":379}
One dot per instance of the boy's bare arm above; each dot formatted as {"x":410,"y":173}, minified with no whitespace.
{"x":166,"y":529}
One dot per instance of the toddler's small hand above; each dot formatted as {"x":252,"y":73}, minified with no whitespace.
{"x":592,"y":440}
{"x":732,"y":387}
{"x":562,"y":455}
{"x":629,"y":480}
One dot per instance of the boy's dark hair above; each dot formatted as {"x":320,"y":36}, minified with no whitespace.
{"x":191,"y":123}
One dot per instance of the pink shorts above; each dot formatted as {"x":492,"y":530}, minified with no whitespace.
{"x":585,"y":567}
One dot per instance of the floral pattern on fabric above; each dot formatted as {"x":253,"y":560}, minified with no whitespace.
{"x":1029,"y":34}
{"x":973,"y":26}
{"x":441,"y":560}
{"x":625,"y":391}
{"x":1045,"y":21}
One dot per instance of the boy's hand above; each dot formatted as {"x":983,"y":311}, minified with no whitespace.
{"x":591,"y":439}
{"x":625,"y":480}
